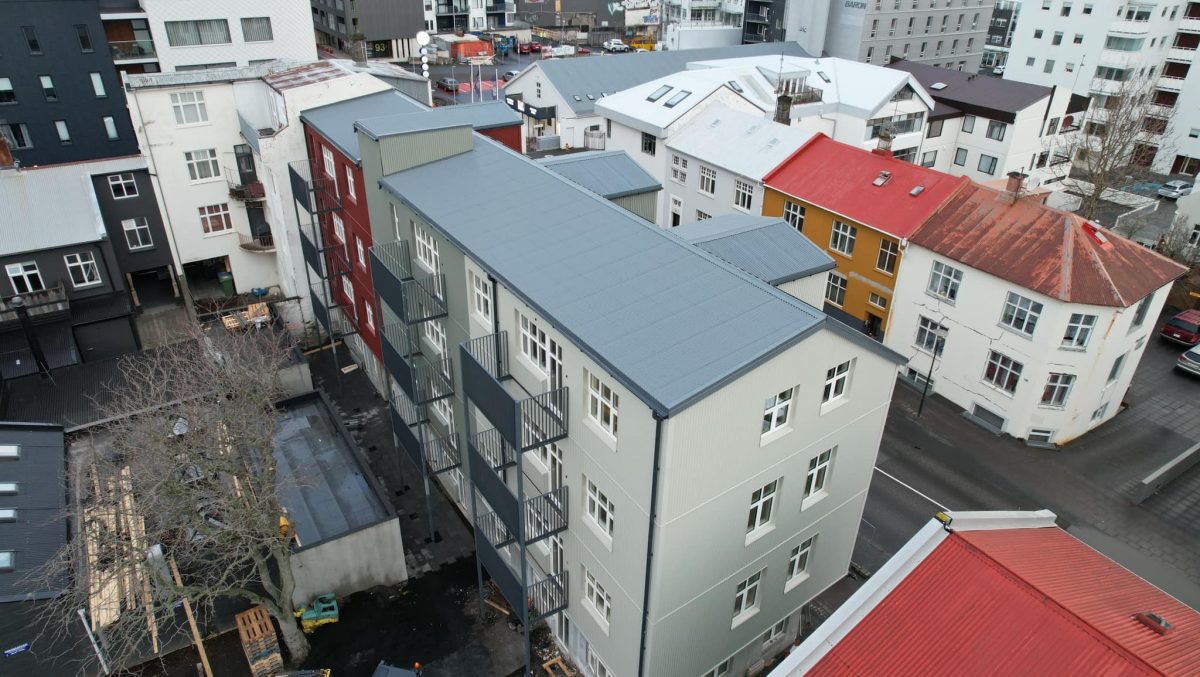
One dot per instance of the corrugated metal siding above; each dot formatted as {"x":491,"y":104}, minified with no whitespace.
{"x":412,"y":150}
{"x":644,"y":204}
{"x":40,"y":531}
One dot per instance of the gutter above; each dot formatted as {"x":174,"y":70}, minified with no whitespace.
{"x":658,"y":425}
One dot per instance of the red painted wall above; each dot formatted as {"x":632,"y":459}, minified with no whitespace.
{"x":509,"y":136}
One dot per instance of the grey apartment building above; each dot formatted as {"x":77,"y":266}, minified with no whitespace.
{"x":665,"y":458}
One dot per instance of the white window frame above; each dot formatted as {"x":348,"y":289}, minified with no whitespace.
{"x":777,"y":410}
{"x":256,"y":29}
{"x":361,"y":250}
{"x":761,"y":516}
{"x":720,"y":669}
{"x":798,"y":560}
{"x":139,"y":228}
{"x":83,"y":264}
{"x":435,"y":333}
{"x":1079,"y":331}
{"x":7,"y":560}
{"x":64,"y":132}
{"x":817,"y":477}
{"x":26,"y":272}
{"x":944,"y":282}
{"x":1114,"y":372}
{"x":351,"y":188}
{"x":596,"y":667}
{"x":201,"y":160}
{"x":370,"y":313}
{"x":600,"y":509}
{"x":126,"y":183}
{"x":708,"y":181}
{"x":743,"y":194}
{"x":1006,"y":369}
{"x":837,"y":382}
{"x":931,"y":336}
{"x":745,"y":598}
{"x":793,"y":213}
{"x":603,"y":403}
{"x":327,"y":160}
{"x":889,"y":253}
{"x":481,"y":294}
{"x":429,"y":256}
{"x":679,"y":169}
{"x":1020,"y":314}
{"x":777,"y":631}
{"x":597,"y":599}
{"x":842,"y":237}
{"x":1058,"y":389}
{"x":877,"y":300}
{"x":836,"y":281}
{"x":189,"y":108}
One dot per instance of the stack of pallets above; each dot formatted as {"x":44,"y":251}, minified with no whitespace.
{"x":259,"y":642}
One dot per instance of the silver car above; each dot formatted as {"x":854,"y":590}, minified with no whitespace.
{"x":1173,"y":190}
{"x":1190,"y":361}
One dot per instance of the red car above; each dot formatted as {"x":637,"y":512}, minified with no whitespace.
{"x":583,"y":51}
{"x":525,"y":48}
{"x":1183,"y":328}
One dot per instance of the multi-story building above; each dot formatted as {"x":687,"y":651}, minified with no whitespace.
{"x":693,"y":24}
{"x":595,"y":450}
{"x":1031,"y":319}
{"x":1099,"y":49}
{"x":863,"y":206}
{"x":390,"y":28}
{"x":984,"y":127}
{"x":999,"y":36}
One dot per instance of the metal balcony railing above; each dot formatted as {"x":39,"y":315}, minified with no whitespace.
{"x":432,"y":379}
{"x":491,"y":446}
{"x":312,"y":188}
{"x":128,"y":50}
{"x":545,"y":515}
{"x":441,"y":450}
{"x":395,"y":257}
{"x":525,"y":423}
{"x":494,"y":530}
{"x":262,"y":243}
{"x":43,"y":305}
{"x":548,"y":596}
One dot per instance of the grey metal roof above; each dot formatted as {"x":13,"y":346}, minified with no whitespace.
{"x":611,"y":174}
{"x":486,"y":115}
{"x":767,"y":247}
{"x":610,"y":73}
{"x":320,"y":479}
{"x":973,"y":93}
{"x":335,"y":121}
{"x":40,"y":529}
{"x":670,"y":321}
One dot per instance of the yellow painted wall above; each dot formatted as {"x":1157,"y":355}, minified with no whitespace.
{"x":859,"y":269}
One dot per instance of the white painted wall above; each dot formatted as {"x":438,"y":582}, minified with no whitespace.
{"x":694,"y":200}
{"x":975,"y":329}
{"x":809,"y":289}
{"x":536,"y":89}
{"x":291,"y":25}
{"x":357,"y":561}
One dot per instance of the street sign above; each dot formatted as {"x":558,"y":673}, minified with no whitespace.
{"x":17,"y":649}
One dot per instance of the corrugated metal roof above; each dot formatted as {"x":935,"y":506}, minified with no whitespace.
{"x":40,"y":530}
{"x":667,"y":319}
{"x":961,"y":612}
{"x":1047,"y":250}
{"x":611,"y":73}
{"x":486,"y":115}
{"x":743,"y":143}
{"x":232,"y":74}
{"x":766,"y":247}
{"x":610,"y":174}
{"x":971,"y":91}
{"x":840,"y":178}
{"x":335,"y":121}
{"x":308,"y":74}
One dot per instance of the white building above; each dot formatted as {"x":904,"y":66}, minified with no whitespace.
{"x":598,"y":451}
{"x":695,"y":24}
{"x":1034,"y":319}
{"x":218,"y":144}
{"x":1095,"y":48}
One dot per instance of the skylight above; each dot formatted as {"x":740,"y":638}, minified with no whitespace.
{"x":917,"y":190}
{"x":680,"y":96}
{"x":8,"y":514}
{"x":938,"y":85}
{"x":823,"y":76}
{"x":659,"y":93}
{"x":577,"y":97}
{"x":883,"y":178}
{"x":590,"y":97}
{"x":733,"y":84}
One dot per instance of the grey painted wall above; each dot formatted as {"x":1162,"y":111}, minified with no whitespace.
{"x":357,"y":561}
{"x":644,"y":205}
{"x":115,"y":210}
{"x":53,"y":269}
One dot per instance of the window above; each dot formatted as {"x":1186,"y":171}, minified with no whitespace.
{"x":8,"y":514}
{"x":6,"y":560}
{"x":929,"y":158}
{"x":1029,"y":61}
{"x":743,"y":194}
{"x":793,"y":214}
{"x":31,"y":40}
{"x":776,"y":410}
{"x":1087,"y":9}
{"x":189,"y":108}
{"x":10,"y":452}
{"x":64,"y":134}
{"x":25,"y":277}
{"x":968,"y":124}
{"x":351,"y":189}
{"x":435,"y":333}
{"x":370,"y":315}
{"x":995,"y":130}
{"x":481,"y":289}
{"x":935,"y":129}
{"x":1079,"y":330}
{"x":960,"y":157}
{"x":1049,"y":66}
{"x":1020,"y":313}
{"x":98,"y":86}
{"x":649,"y":143}
{"x":702,"y":215}
{"x":602,"y":404}
{"x":659,"y":93}
{"x":8,"y":488}
{"x":745,"y":600}
{"x":877,"y":300}
{"x":798,"y":559}
{"x":82,"y":268}
{"x":122,"y":186}
{"x":1057,"y":39}
{"x":215,"y":218}
{"x":835,"y":288}
{"x":818,"y":474}
{"x":720,"y":669}
{"x":1003,"y":372}
{"x":842,"y":238}
{"x":597,"y":597}
{"x":203,"y":32}
{"x":110,"y":127}
{"x":6,"y":91}
{"x":1078,"y":39}
{"x":48,"y":87}
{"x":1058,"y":386}
{"x":775,"y":633}
{"x":1139,"y":315}
{"x":944,"y":281}
{"x":836,"y":380}
{"x":708,"y":180}
{"x":85,"y":38}
{"x":202,"y":164}
{"x":1100,"y":412}
{"x":327,"y":161}
{"x":931,"y":336}
{"x":1115,"y":372}
{"x":137,"y":233}
{"x":1066,"y":9}
{"x":762,"y":503}
{"x":1039,"y":436}
{"x":600,"y":509}
{"x":257,"y":29}
{"x":362,"y":251}
{"x":987,"y":164}
{"x":886,"y":261}
{"x":679,"y":169}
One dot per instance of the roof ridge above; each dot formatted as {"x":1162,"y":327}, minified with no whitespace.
{"x":1068,"y":259}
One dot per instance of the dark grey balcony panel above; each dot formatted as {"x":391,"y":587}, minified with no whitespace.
{"x":316,"y":192}
{"x":312,"y":256}
{"x":319,"y":310}
{"x":508,"y":582}
{"x":423,"y":298}
{"x":407,"y":437}
{"x":494,"y":530}
{"x":488,"y":394}
{"x":493,"y":489}
{"x":298,"y":176}
{"x":387,"y":285}
{"x":395,"y":257}
{"x":393,"y":358}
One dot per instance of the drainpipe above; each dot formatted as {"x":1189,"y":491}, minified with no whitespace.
{"x":658,"y":426}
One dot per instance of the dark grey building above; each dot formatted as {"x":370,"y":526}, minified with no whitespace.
{"x":60,"y":97}
{"x":139,"y":240}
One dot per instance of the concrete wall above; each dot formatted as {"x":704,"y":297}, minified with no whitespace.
{"x":291,"y":26}
{"x":357,"y":561}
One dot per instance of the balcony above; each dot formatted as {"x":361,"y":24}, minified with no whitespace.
{"x":262,"y":243}
{"x":414,"y":295}
{"x":423,"y":378}
{"x":43,"y":305}
{"x":1170,"y":84}
{"x":132,"y":51}
{"x":1190,"y":24}
{"x":1126,"y":27}
{"x":1181,"y":54}
{"x":502,"y":7}
{"x":758,"y":18}
{"x":315,"y":191}
{"x":523,"y":422}
{"x":1117,"y":58}
{"x":452,"y":9}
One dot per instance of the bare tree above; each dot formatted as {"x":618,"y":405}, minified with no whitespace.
{"x":1124,"y":130}
{"x":183,"y":476}
{"x":1181,"y":242}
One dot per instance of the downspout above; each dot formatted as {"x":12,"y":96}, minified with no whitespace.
{"x":658,"y":426}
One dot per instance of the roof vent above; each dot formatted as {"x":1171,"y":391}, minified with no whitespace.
{"x":883,"y":178}
{"x":917,"y":190}
{"x":823,"y":76}
{"x":1154,"y":622}
{"x":938,"y":85}
{"x":1096,"y":234}
{"x":714,"y":123}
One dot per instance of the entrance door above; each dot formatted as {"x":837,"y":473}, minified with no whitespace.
{"x":676,"y":211}
{"x":874,"y":324}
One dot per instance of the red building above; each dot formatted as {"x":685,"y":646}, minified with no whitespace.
{"x":339,"y":204}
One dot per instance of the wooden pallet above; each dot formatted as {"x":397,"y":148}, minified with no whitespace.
{"x":259,"y":642}
{"x":555,"y":667}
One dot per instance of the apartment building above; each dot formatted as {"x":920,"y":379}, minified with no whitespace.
{"x":1039,"y":341}
{"x":694,"y":24}
{"x":999,"y":35}
{"x":985,"y":128}
{"x":862,"y":206}
{"x":596,"y":450}
{"x":1098,"y":48}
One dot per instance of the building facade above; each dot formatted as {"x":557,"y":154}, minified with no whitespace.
{"x":999,"y":35}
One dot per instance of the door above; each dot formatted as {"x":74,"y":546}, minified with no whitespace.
{"x":873,"y":325}
{"x":105,"y":339}
{"x":676,"y":211}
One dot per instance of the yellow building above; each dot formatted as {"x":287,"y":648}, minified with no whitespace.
{"x":861,"y":206}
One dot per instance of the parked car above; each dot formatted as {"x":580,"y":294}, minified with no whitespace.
{"x":447,"y":85}
{"x":998,"y":70}
{"x":1173,"y":190}
{"x":526,"y":48}
{"x":1189,"y":361}
{"x":582,"y":51}
{"x":535,"y":46}
{"x":1183,"y":328}
{"x":615,"y":45}
{"x":509,"y":75}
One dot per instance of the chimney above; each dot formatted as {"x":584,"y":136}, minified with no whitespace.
{"x":358,"y":49}
{"x":1016,"y":181}
{"x":783,"y":109}
{"x":884,"y":147}
{"x":6,"y":158}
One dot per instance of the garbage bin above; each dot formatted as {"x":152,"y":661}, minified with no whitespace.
{"x":226,"y":280}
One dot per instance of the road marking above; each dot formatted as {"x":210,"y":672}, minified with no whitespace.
{"x":910,"y":488}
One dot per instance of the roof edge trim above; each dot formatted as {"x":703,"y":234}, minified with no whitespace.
{"x":991,"y":520}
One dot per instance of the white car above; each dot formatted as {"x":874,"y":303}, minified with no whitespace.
{"x":998,"y":70}
{"x":1173,"y":190}
{"x":615,"y":45}
{"x":1189,"y":361}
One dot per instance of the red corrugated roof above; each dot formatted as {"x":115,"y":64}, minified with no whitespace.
{"x":839,"y":178}
{"x":1050,"y":251}
{"x":1017,"y":602}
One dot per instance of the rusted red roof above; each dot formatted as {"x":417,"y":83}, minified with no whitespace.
{"x":1050,"y":251}
{"x":841,"y":179}
{"x":318,"y":71}
{"x":1025,"y":602}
